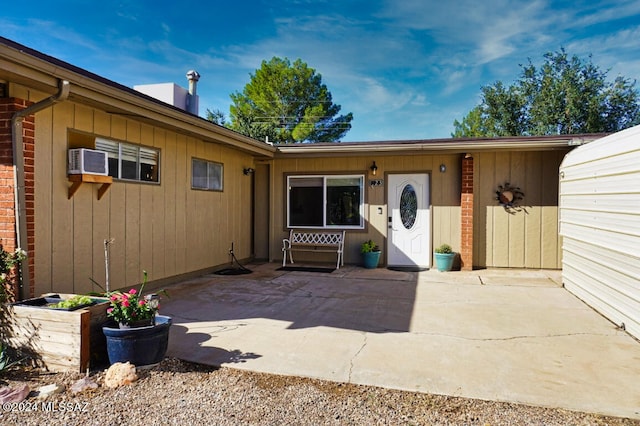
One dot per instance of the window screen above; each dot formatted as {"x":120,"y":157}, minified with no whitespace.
{"x":130,"y":162}
{"x":206,"y":175}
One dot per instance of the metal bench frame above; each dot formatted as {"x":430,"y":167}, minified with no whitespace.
{"x":314,"y":241}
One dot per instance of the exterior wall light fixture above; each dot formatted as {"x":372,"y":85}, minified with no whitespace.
{"x":374,"y":168}
{"x":247,"y":171}
{"x":443,"y":168}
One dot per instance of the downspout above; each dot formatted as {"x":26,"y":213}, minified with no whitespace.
{"x":18,"y":174}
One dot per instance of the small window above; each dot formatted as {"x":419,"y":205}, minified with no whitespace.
{"x":130,"y":162}
{"x":206,"y":175}
{"x":325,"y":201}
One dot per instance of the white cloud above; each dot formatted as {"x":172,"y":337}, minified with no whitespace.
{"x":420,"y":100}
{"x":482,"y":31}
{"x":375,"y":95}
{"x":597,"y":12}
{"x":399,"y":66}
{"x":618,"y":52}
{"x":33,"y":29}
{"x":455,"y":80}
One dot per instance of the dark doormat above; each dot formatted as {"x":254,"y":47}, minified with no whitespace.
{"x":306,"y":269}
{"x":233,"y":271}
{"x":407,"y":268}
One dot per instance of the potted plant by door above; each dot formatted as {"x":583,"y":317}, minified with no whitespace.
{"x":137,"y":333}
{"x":370,"y":254}
{"x":444,"y":257}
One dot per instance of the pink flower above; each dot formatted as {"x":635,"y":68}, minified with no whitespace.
{"x":132,"y":291}
{"x":113,"y":297}
{"x":125,"y":303}
{"x":109,"y":310}
{"x":141,"y":302}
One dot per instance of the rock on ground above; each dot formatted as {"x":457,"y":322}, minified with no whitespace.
{"x":120,"y":374}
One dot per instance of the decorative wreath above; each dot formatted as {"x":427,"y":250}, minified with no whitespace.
{"x":509,"y":197}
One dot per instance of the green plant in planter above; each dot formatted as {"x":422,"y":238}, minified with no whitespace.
{"x":370,"y":254}
{"x":368,"y":247}
{"x":444,"y":257}
{"x":74,"y":302}
{"x":444,"y":249}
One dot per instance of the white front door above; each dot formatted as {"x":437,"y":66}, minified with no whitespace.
{"x":409,"y":237}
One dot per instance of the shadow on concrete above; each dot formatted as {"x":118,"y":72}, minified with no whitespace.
{"x":377,"y":300}
{"x":190,"y":340}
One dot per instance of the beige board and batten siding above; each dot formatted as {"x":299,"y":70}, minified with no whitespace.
{"x":167,"y":229}
{"x":445,"y":198}
{"x":527,"y":238}
{"x":600,"y":225}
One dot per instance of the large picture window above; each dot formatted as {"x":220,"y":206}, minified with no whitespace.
{"x":130,"y":162}
{"x":206,"y":175}
{"x":325,"y":201}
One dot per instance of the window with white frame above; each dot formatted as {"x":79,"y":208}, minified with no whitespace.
{"x":130,"y":162}
{"x":206,"y":175}
{"x":335,"y":201}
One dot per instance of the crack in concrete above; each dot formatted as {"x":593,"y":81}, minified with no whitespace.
{"x":497,"y":339}
{"x":225,"y":328}
{"x":364,"y":344}
{"x":217,"y":328}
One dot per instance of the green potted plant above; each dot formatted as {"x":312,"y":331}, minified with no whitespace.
{"x":370,"y":254}
{"x":444,"y":257}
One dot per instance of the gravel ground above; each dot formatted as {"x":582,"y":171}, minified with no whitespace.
{"x":179,"y":393}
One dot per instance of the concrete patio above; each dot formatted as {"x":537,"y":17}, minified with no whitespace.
{"x":504,"y":335}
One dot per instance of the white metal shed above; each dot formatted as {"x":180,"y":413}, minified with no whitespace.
{"x":600,"y":224}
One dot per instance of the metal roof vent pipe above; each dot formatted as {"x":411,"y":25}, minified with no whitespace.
{"x":192,"y":99}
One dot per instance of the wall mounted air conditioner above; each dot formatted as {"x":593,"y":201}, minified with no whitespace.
{"x":88,"y":161}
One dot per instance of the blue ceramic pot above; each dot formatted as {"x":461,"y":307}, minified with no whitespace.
{"x":370,"y":259}
{"x":139,"y":345}
{"x":444,"y":261}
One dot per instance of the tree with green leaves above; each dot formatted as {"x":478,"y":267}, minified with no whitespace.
{"x":564,"y":96}
{"x":216,"y":116}
{"x":287,"y":103}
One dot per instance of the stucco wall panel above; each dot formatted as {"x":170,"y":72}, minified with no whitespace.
{"x":61,"y":226}
{"x":521,"y":239}
{"x":444,"y":194}
{"x":44,"y":194}
{"x":166,"y":229}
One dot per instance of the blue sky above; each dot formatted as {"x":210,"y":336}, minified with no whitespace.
{"x":405,"y":68}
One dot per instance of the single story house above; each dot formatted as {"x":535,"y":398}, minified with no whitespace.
{"x":182,"y":191}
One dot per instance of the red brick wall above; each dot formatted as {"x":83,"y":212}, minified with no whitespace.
{"x":8,"y":106}
{"x":466,"y":203}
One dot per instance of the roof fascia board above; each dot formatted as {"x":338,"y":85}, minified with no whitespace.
{"x":426,"y":146}
{"x":196,"y":126}
{"x":27,"y":75}
{"x":44,"y":76}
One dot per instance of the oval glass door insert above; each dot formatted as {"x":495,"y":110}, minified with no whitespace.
{"x":408,"y":206}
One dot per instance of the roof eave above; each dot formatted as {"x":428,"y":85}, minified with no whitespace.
{"x":437,"y":145}
{"x":33,"y":69}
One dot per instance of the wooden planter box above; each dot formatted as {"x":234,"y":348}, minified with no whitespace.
{"x":59,"y":340}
